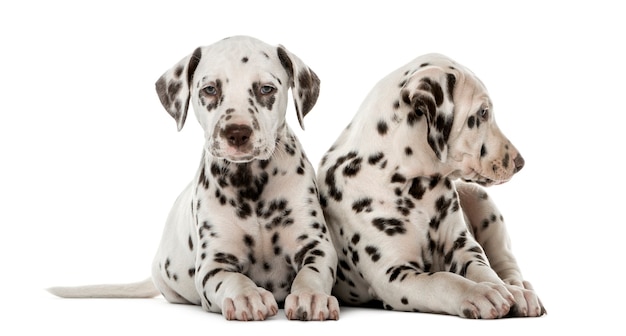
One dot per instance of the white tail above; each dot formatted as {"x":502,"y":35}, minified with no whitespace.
{"x":142,"y":289}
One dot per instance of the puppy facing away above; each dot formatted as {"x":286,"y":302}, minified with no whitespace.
{"x":401,"y":193}
{"x":248,"y":232}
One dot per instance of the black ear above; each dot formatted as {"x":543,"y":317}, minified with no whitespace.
{"x":427,"y":96}
{"x":173,"y":87}
{"x":304,"y":83}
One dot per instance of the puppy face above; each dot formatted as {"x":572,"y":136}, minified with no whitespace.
{"x":239,"y":95}
{"x":481,"y":151}
{"x":238,"y":89}
{"x":462,"y":130}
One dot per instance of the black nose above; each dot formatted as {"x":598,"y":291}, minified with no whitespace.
{"x":237,"y":135}
{"x":519,"y":163}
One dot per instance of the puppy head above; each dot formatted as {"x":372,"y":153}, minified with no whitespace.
{"x":238,"y":88}
{"x":462,"y":131}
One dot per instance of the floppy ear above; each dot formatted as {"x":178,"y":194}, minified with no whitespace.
{"x":304,"y":83}
{"x":173,"y":87}
{"x":427,"y":96}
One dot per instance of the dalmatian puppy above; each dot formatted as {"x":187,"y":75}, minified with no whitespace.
{"x":401,"y":196}
{"x":248,"y":232}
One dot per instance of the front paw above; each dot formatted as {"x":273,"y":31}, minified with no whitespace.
{"x":309,"y":305}
{"x":527,"y":303}
{"x":486,"y":301}
{"x":253,"y":304}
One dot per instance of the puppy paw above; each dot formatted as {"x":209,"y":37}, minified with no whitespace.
{"x":527,"y":303}
{"x":254,"y":304}
{"x":486,"y":301}
{"x":311,"y":306}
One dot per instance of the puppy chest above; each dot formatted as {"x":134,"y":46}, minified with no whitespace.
{"x":268,"y":267}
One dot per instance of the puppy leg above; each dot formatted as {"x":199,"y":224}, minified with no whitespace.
{"x":489,"y":229}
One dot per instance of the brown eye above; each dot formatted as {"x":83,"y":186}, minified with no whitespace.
{"x":483,"y":113}
{"x":266,"y":89}
{"x":210,"y":90}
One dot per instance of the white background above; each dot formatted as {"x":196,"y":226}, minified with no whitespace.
{"x":91,"y":162}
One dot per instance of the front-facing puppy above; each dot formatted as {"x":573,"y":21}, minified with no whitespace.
{"x":248,"y":232}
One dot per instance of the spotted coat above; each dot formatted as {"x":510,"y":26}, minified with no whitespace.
{"x":248,"y":233}
{"x":410,"y":233}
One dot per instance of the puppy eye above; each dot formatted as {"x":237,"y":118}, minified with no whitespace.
{"x":483,"y":113}
{"x":266,"y":89}
{"x":210,"y":90}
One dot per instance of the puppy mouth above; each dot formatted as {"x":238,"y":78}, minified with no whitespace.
{"x":239,"y":154}
{"x":483,"y":180}
{"x":235,"y":155}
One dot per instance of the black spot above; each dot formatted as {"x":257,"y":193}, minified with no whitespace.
{"x":408,"y":151}
{"x":179,"y":71}
{"x":398,"y":178}
{"x":463,"y":271}
{"x":343,"y":264}
{"x":413,"y":117}
{"x":459,"y":243}
{"x":210,"y":274}
{"x":471,"y":121}
{"x":485,"y":223}
{"x":355,"y":238}
{"x":434,"y":222}
{"x":442,"y":204}
{"x":375,"y":158}
{"x":299,"y":257}
{"x":244,"y":210}
{"x":363,"y":204}
{"x":382,"y":127}
{"x":226,"y":258}
{"x":417,"y":190}
{"x":202,"y":179}
{"x":390,"y":226}
{"x":330,"y":180}
{"x":404,"y":205}
{"x":193,"y":64}
{"x":483,"y":150}
{"x":248,"y":240}
{"x":355,"y":258}
{"x":451,"y":85}
{"x":352,"y":168}
{"x":395,"y":271}
{"x":244,"y":60}
{"x":424,"y":103}
{"x":434,"y":181}
{"x":434,"y":88}
{"x":373,"y":253}
{"x":467,"y":313}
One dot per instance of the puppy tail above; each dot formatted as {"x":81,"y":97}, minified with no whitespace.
{"x":142,"y":289}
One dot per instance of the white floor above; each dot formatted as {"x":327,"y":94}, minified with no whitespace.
{"x":53,"y":316}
